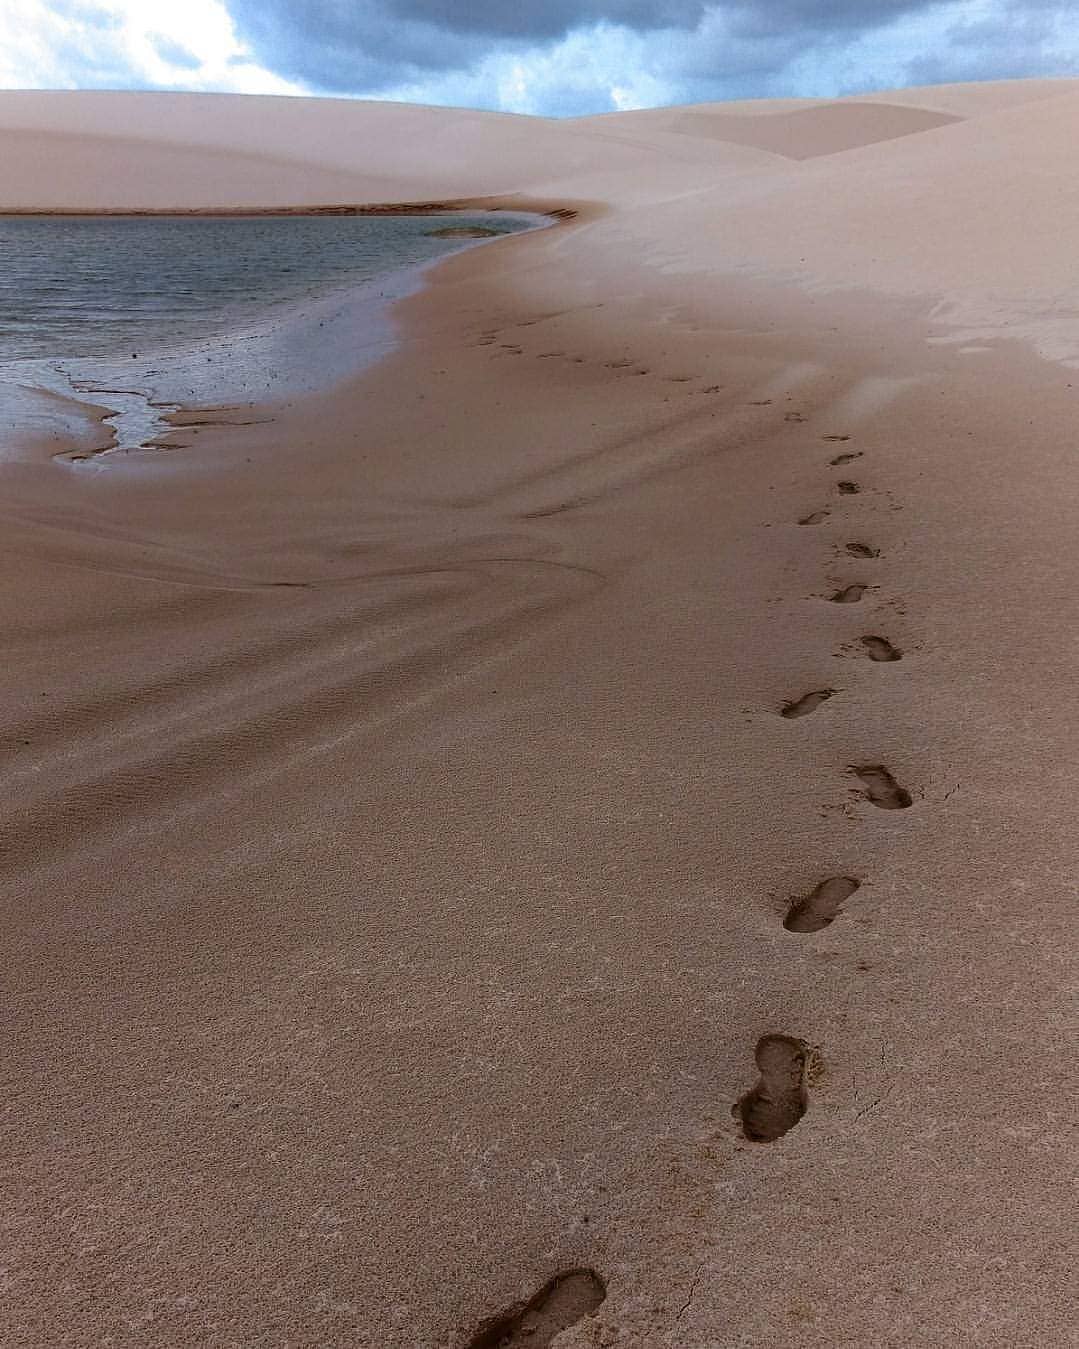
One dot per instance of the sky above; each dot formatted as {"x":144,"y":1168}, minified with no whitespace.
{"x":548,"y":57}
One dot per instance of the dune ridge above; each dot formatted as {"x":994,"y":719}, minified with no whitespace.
{"x":808,"y":132}
{"x":564,"y":837}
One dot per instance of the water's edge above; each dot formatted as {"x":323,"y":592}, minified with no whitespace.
{"x":93,"y":411}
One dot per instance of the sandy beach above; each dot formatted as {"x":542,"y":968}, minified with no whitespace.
{"x":590,"y":795}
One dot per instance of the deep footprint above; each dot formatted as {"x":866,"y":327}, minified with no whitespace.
{"x":879,"y":648}
{"x":823,"y":906}
{"x":847,"y":489}
{"x":815,"y":519}
{"x":849,"y":594}
{"x":882,"y":789}
{"x":779,"y":1100}
{"x":809,"y":702}
{"x":862,"y":550}
{"x":563,"y":1301}
{"x":845,"y":458}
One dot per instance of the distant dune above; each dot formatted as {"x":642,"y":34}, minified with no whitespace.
{"x":81,"y":150}
{"x":805,"y":132}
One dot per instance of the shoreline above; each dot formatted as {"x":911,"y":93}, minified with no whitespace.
{"x":493,"y":205}
{"x":352,"y":315}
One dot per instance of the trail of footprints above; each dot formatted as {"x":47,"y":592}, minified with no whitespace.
{"x":781,"y":1095}
{"x":786,"y":1064}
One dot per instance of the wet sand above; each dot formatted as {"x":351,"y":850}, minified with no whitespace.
{"x":406,"y":804}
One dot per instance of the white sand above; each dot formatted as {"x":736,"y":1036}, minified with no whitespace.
{"x":399,"y":821}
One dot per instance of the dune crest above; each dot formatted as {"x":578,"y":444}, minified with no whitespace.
{"x":806,"y":133}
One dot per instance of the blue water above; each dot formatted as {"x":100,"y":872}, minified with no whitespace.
{"x":109,"y":286}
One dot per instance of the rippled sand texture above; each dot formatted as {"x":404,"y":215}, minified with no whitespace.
{"x":466,"y":883}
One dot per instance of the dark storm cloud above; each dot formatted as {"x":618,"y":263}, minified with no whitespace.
{"x":782,"y":18}
{"x":539,"y":19}
{"x":572,"y":56}
{"x":348,"y":46}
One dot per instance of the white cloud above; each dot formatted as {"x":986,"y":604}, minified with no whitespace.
{"x":154,"y":44}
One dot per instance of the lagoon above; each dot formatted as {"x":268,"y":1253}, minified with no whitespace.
{"x":143,"y":314}
{"x":105,"y":286}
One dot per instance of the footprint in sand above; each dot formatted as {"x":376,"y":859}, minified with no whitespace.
{"x":815,"y":519}
{"x":845,"y":458}
{"x":809,"y":702}
{"x":815,"y":911}
{"x":881,"y":788}
{"x":862,"y":550}
{"x":879,"y":648}
{"x":835,"y":437}
{"x":563,"y":1301}
{"x":779,"y":1100}
{"x":849,"y":594}
{"x":847,"y":489}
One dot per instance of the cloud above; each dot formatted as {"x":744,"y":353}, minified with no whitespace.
{"x":345,"y":45}
{"x":314,"y":35}
{"x":1004,"y":41}
{"x":173,"y":53}
{"x":587,"y":71}
{"x":538,"y":18}
{"x":556,"y":57}
{"x":765,"y":49}
{"x":128,"y":44}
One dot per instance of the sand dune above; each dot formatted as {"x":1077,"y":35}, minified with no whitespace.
{"x":353,"y":151}
{"x":806,"y":132}
{"x":49,"y":170}
{"x":565,"y":838}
